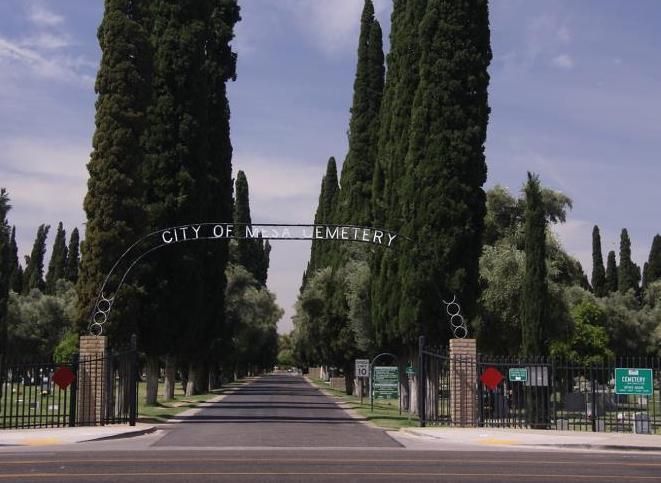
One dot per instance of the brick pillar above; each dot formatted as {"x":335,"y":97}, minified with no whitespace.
{"x":463,"y":382}
{"x":91,"y":380}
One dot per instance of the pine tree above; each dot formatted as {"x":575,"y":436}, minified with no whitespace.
{"x":58,"y":260}
{"x":535,"y":296}
{"x":653,"y":265}
{"x":628,"y":273}
{"x":442,"y":199}
{"x":73,"y":257}
{"x":5,"y":268}
{"x":611,"y":273}
{"x":598,"y":271}
{"x":34,"y":271}
{"x":357,"y":171}
{"x":113,"y":203}
{"x":16,"y":276}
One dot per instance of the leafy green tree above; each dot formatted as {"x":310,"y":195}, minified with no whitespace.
{"x":253,"y":314}
{"x":73,"y":257}
{"x":58,"y":260}
{"x":611,"y":273}
{"x":38,"y":322}
{"x":34,"y":271}
{"x":598,"y":271}
{"x":534,"y":297}
{"x":628,"y":273}
{"x":653,"y":265}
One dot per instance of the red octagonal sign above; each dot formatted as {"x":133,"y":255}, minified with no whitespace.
{"x":491,"y":377}
{"x":63,"y":377}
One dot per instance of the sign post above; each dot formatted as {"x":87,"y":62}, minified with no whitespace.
{"x":362,"y":371}
{"x":634,"y":381}
{"x":410,"y":372}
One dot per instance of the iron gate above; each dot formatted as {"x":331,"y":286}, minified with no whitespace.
{"x":538,"y":392}
{"x":84,"y":392}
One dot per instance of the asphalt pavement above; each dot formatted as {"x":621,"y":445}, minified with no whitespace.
{"x":274,"y":411}
{"x":281,"y":428}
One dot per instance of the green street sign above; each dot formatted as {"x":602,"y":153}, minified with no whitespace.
{"x":518,"y":374}
{"x":385,"y":382}
{"x":410,"y":371}
{"x":633,"y":381}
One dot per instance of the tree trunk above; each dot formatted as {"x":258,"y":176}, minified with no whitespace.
{"x":170,"y":376}
{"x":152,"y":379}
{"x":348,"y":378}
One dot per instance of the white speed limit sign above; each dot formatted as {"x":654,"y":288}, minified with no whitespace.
{"x":362,"y":367}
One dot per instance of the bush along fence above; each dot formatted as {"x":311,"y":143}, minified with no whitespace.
{"x":460,"y":388}
{"x":97,"y":387}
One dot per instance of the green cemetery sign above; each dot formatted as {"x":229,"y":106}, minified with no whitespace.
{"x":518,"y":374}
{"x":385,"y":382}
{"x":633,"y":381}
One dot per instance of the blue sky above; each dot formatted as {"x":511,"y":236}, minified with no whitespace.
{"x":575,"y":97}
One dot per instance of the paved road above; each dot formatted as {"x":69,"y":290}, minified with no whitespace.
{"x":275,"y":411}
{"x":279,"y":428}
{"x":392,"y":465}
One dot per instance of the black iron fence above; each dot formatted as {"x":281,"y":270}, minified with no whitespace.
{"x":84,"y":392}
{"x":622,"y":394}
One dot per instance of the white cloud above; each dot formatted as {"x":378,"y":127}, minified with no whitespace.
{"x":55,"y":67}
{"x":41,"y":16}
{"x":563,"y":61}
{"x":46,"y":40}
{"x":332,"y":26}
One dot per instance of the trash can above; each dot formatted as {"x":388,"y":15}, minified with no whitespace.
{"x":641,"y":423}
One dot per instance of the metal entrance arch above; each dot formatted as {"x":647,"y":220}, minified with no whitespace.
{"x":100,"y":314}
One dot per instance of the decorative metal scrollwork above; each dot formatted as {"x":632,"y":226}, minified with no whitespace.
{"x":457,"y":323}
{"x":101,"y":314}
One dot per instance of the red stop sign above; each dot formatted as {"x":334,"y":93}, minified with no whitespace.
{"x":63,"y":377}
{"x":491,"y":377}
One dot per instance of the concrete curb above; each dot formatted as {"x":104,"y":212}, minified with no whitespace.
{"x":128,"y":434}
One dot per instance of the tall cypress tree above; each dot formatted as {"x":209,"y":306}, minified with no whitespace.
{"x":653,"y":265}
{"x":598,"y":271}
{"x":535,"y":297}
{"x":189,"y":169}
{"x":58,"y":260}
{"x":394,"y":124}
{"x":5,"y":269}
{"x":73,"y":257}
{"x":443,"y":202}
{"x":16,"y":271}
{"x":326,"y":207}
{"x":357,"y":171}
{"x":628,"y":273}
{"x":250,"y":252}
{"x":34,"y":271}
{"x":611,"y":273}
{"x":113,"y":203}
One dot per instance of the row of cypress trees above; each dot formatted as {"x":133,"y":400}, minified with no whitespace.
{"x":162,"y":157}
{"x":415,"y":165}
{"x":627,"y":275}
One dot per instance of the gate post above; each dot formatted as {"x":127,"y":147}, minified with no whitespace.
{"x":421,"y":381}
{"x":91,"y":380}
{"x":463,"y":382}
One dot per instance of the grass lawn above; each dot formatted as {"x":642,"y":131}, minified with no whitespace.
{"x":386,"y":412}
{"x":164,"y":410}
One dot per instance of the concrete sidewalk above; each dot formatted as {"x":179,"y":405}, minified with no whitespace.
{"x":523,"y":438}
{"x":53,"y":436}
